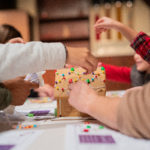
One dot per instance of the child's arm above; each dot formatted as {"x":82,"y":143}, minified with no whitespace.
{"x":116,"y":73}
{"x":129,"y":114}
{"x":141,"y":45}
{"x":106,"y":23}
{"x":140,"y":42}
{"x":86,"y":100}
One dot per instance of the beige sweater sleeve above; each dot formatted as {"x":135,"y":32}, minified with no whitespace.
{"x":134,"y":113}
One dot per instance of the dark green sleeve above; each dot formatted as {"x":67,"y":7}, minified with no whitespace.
{"x":5,"y":98}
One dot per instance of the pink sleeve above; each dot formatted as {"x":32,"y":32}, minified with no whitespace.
{"x":116,"y":73}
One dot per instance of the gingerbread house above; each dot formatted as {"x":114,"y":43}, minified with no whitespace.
{"x":65,"y":77}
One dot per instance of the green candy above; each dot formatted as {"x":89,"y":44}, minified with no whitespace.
{"x":101,"y":127}
{"x":55,"y":112}
{"x":72,"y":69}
{"x":88,"y":81}
{"x":102,"y":68}
{"x":88,"y":127}
{"x":30,"y":115}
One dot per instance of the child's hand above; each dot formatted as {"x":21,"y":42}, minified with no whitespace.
{"x":20,"y":89}
{"x":105,"y":23}
{"x":81,"y":96}
{"x":45,"y":91}
{"x":81,"y":56}
{"x":16,"y":40}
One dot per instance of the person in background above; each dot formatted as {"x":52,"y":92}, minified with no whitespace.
{"x":136,"y":75}
{"x":128,"y":114}
{"x":10,"y":34}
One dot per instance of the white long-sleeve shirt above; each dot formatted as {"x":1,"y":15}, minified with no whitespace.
{"x":20,"y":59}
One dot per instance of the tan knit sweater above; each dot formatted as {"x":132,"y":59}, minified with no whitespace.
{"x":134,"y":113}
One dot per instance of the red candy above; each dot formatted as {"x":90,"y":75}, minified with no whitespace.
{"x":70,"y":80}
{"x":86,"y":130}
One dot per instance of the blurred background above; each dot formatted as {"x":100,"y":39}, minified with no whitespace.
{"x":71,"y":22}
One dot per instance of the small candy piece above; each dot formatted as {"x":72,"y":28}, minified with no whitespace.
{"x":30,"y":126}
{"x":95,"y":76}
{"x":69,"y":73}
{"x":88,"y":126}
{"x":59,"y":81}
{"x":88,"y":81}
{"x":102,"y":68}
{"x":72,"y":69}
{"x":63,"y":75}
{"x":30,"y":115}
{"x":92,"y":73}
{"x":34,"y":125}
{"x":92,"y":79}
{"x":55,"y":112}
{"x":57,"y":88}
{"x":101,"y":127}
{"x":57,"y":73}
{"x":78,"y":73}
{"x":75,"y":80}
{"x":64,"y":78}
{"x":86,"y":130}
{"x":17,"y":127}
{"x":62,"y":89}
{"x":56,"y":82}
{"x":70,"y":80}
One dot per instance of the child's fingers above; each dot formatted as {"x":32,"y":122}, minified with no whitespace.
{"x":99,"y":21}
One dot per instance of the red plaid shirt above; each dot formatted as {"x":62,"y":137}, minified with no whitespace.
{"x":141,"y":45}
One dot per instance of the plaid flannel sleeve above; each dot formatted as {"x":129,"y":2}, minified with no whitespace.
{"x":141,"y":45}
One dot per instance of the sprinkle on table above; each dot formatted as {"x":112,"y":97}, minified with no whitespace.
{"x":86,"y":130}
{"x":30,"y":115}
{"x":88,"y":126}
{"x":101,"y":127}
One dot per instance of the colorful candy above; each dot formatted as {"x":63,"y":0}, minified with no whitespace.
{"x":70,"y":80}
{"x":88,"y":81}
{"x":72,"y":69}
{"x":102,"y":68}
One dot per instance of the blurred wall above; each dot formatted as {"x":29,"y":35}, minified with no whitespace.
{"x":30,"y":7}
